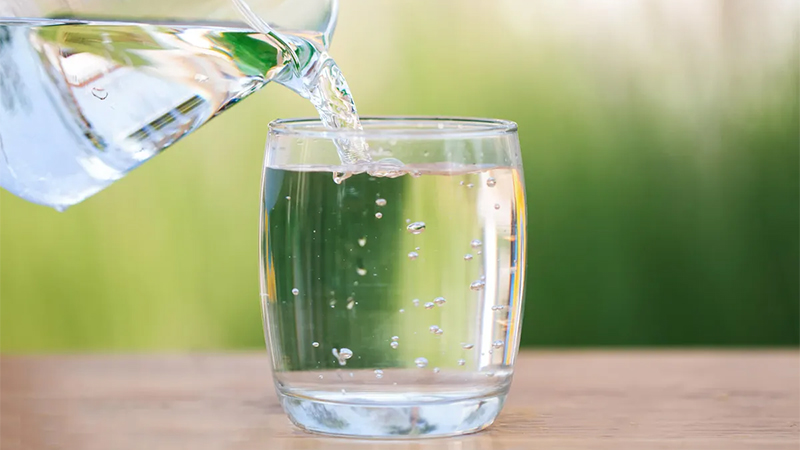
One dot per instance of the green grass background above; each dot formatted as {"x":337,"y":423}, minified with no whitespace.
{"x":661,"y":154}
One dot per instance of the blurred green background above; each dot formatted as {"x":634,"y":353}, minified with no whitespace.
{"x":660,"y":142}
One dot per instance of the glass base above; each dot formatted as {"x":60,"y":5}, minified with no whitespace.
{"x":392,"y":420}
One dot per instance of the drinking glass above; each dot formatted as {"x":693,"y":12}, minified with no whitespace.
{"x":392,"y":288}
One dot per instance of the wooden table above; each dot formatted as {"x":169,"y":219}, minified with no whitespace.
{"x":559,"y":400}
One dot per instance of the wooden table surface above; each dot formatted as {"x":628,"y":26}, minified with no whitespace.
{"x":559,"y":400}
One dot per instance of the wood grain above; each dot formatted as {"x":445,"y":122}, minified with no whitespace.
{"x":559,"y":400}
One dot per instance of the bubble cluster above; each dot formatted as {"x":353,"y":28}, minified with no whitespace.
{"x":477,"y":285}
{"x":342,"y":355}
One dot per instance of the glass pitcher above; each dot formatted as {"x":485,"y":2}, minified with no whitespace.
{"x":90,"y":89}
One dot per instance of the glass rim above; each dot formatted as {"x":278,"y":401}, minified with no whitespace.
{"x":312,"y":127}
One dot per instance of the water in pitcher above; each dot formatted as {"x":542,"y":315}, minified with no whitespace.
{"x":83,"y":103}
{"x":382,"y":294}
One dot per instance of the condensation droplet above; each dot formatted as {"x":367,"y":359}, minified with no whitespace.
{"x":416,"y":227}
{"x":433,"y":328}
{"x":421,"y":362}
{"x":477,"y":285}
{"x":467,"y":346}
{"x":296,"y":291}
{"x":498,"y":307}
{"x":378,"y":373}
{"x":413,"y":255}
{"x":468,"y":257}
{"x":429,"y":305}
{"x":476,"y":243}
{"x":315,"y":344}
{"x":491,"y":182}
{"x":497,"y":206}
{"x":380,"y":202}
{"x":362,"y":241}
{"x":415,"y":302}
{"x":361,"y":271}
{"x":461,"y":362}
{"x":378,"y":215}
{"x":99,"y":93}
{"x":497,"y":344}
{"x":436,"y":370}
{"x":439,"y":301}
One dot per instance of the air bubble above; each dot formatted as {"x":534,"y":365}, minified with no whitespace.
{"x":315,"y":344}
{"x":288,"y":197}
{"x":467,"y":346}
{"x":362,"y":241}
{"x":296,"y":291}
{"x":415,"y":302}
{"x":378,"y":215}
{"x":416,"y":227}
{"x":350,"y":302}
{"x":491,"y":182}
{"x":468,"y":257}
{"x":380,"y":202}
{"x":439,"y":301}
{"x":460,"y":183}
{"x":361,"y":271}
{"x":477,"y":285}
{"x":413,"y":255}
{"x":200,"y":78}
{"x":421,"y":362}
{"x":433,"y":328}
{"x":395,"y":338}
{"x":498,"y":344}
{"x":476,"y":243}
{"x":440,"y":126}
{"x":461,"y":362}
{"x":378,"y":373}
{"x":498,"y":307}
{"x":439,"y":332}
{"x":402,"y":311}
{"x":99,"y":93}
{"x":470,"y":185}
{"x":429,"y":305}
{"x":394,"y":344}
{"x":342,"y":355}
{"x":436,"y":370}
{"x":497,"y":206}
{"x":344,"y":392}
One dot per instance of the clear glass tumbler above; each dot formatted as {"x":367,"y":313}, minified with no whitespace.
{"x":392,"y":290}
